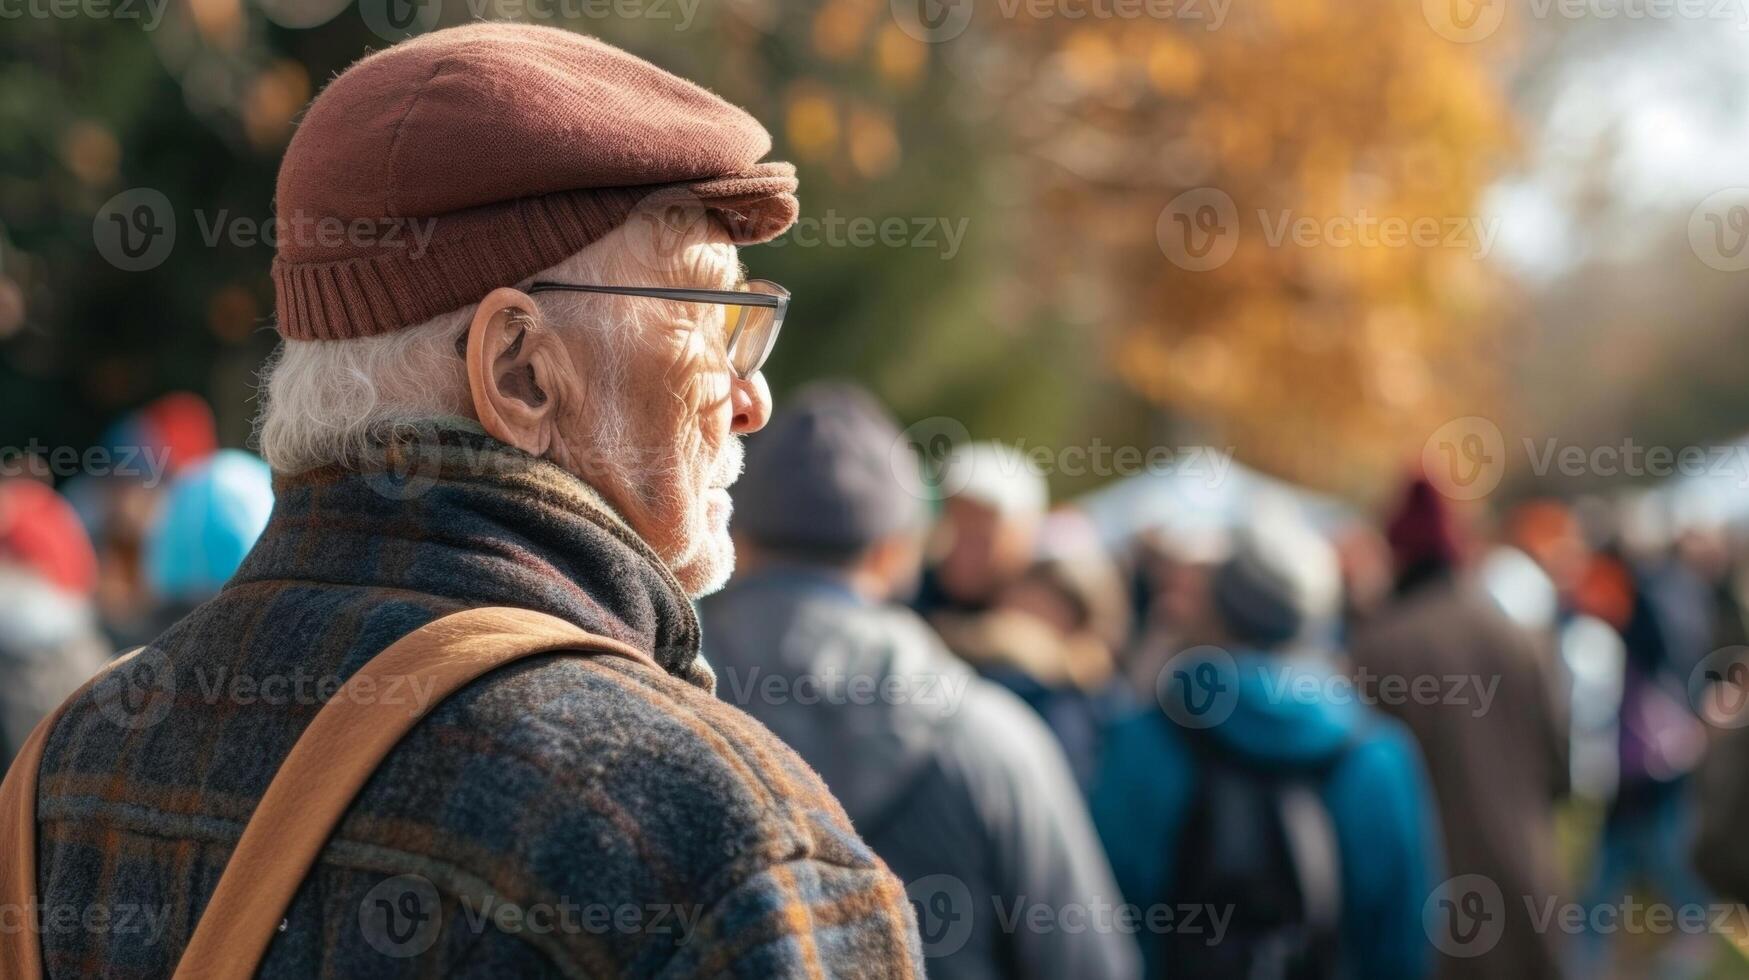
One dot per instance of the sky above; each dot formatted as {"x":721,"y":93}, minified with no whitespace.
{"x":1666,"y":102}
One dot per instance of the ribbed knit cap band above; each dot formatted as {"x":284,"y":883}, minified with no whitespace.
{"x":429,"y":174}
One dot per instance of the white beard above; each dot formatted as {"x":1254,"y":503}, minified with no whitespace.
{"x":706,"y":556}
{"x":698,"y":551}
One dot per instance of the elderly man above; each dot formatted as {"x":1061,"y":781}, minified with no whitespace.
{"x":518,"y":355}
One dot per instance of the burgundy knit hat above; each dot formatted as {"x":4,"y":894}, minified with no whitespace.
{"x":1423,"y":530}
{"x":431,"y":173}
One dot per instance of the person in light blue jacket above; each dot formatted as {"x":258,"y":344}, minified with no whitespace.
{"x":210,"y":517}
{"x":1260,"y":706}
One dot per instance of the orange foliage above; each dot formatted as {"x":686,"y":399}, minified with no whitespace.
{"x":1284,"y":210}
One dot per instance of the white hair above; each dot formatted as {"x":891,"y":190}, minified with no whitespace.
{"x":332,"y":401}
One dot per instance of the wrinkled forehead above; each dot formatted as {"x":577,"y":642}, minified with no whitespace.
{"x":677,"y":245}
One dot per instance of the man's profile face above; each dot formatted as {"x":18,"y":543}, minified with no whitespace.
{"x":678,"y":450}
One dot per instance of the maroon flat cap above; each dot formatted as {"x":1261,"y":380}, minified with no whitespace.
{"x":431,"y":173}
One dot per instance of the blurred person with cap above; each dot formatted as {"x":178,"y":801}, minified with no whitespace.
{"x":948,"y":777}
{"x":49,"y":641}
{"x":1262,"y":792}
{"x":993,"y":506}
{"x":146,"y":448}
{"x":996,"y":605}
{"x":1498,"y":754}
{"x":516,"y":380}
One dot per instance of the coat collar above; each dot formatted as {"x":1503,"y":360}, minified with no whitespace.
{"x":449,"y":512}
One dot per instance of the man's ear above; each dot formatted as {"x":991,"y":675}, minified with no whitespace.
{"x":515,"y":363}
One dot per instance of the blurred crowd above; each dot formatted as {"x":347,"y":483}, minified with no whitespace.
{"x":1292,"y":746}
{"x":115,"y":555}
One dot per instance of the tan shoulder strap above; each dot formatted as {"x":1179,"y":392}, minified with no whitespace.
{"x":328,"y":766}
{"x":337,"y":754}
{"x":21,"y":954}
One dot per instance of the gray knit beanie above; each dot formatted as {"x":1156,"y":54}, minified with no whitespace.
{"x":829,"y":473}
{"x":1280,"y":582}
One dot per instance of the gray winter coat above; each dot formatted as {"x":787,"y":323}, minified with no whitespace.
{"x":952,"y":780}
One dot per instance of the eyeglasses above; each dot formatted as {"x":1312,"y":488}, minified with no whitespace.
{"x":755,"y":314}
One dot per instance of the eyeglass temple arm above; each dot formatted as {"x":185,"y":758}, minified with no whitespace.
{"x":656,"y":292}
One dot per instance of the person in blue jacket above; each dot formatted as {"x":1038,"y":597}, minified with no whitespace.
{"x":210,"y":516}
{"x":1260,"y":705}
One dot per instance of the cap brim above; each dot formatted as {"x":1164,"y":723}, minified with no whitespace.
{"x":755,"y":205}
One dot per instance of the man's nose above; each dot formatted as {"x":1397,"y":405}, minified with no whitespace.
{"x":751,"y":402}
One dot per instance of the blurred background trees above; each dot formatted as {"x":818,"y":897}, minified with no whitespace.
{"x":1072,"y":154}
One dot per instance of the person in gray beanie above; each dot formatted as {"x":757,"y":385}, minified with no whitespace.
{"x":952,"y":780}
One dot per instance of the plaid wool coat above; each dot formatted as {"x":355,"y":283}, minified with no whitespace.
{"x":564,"y":816}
